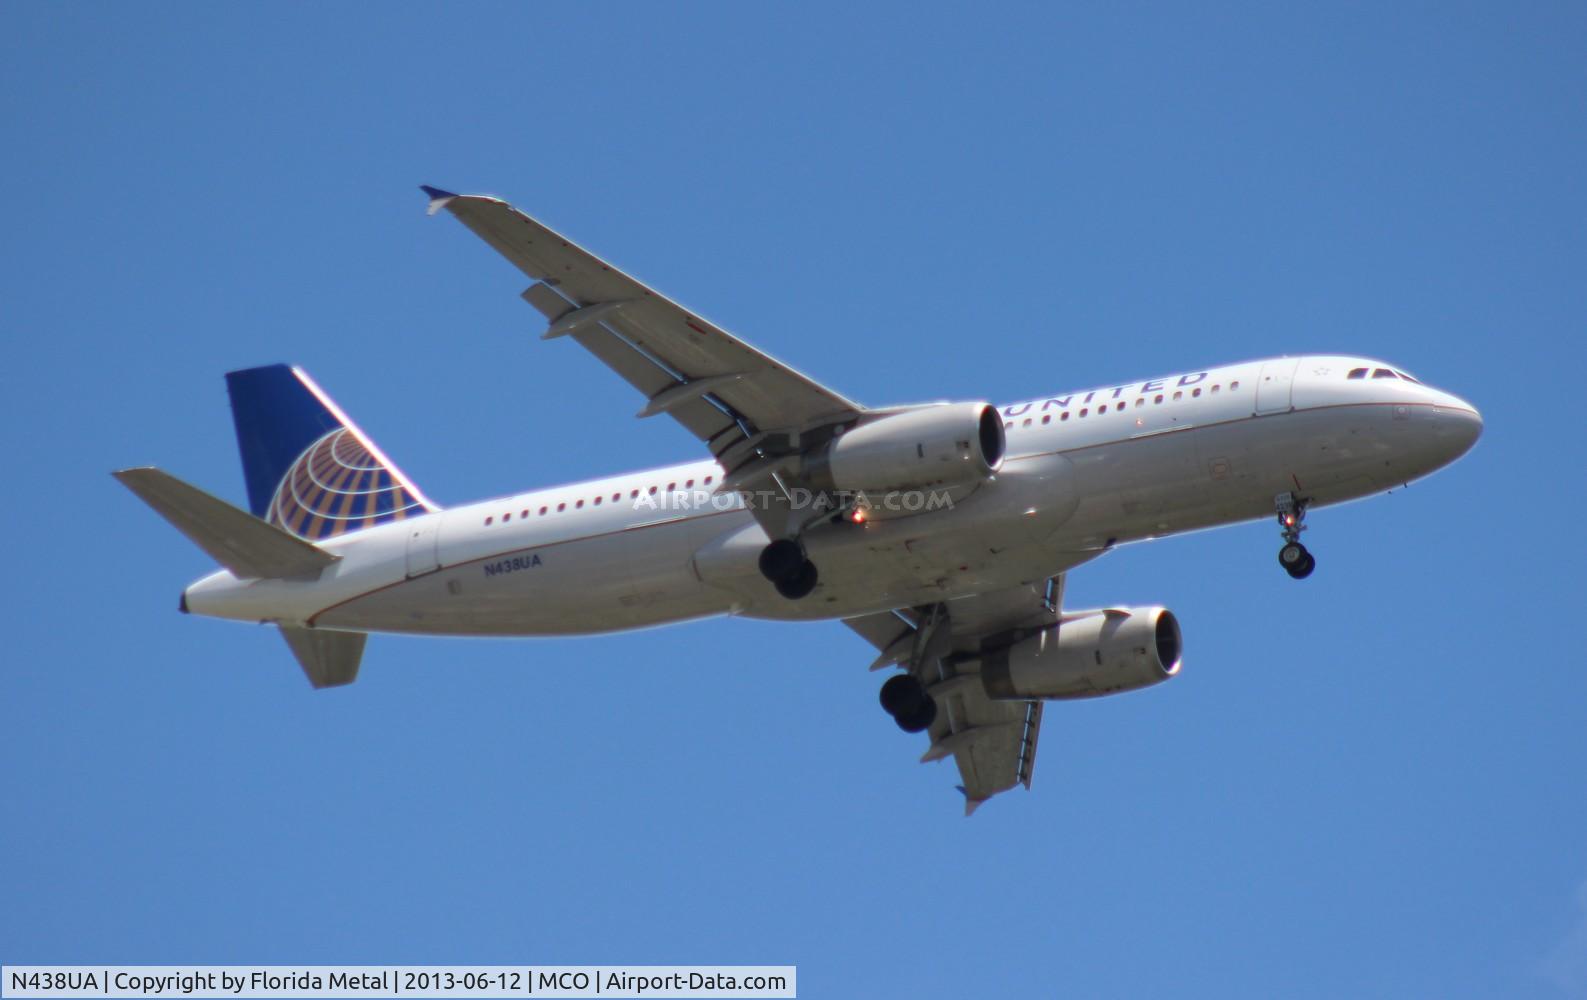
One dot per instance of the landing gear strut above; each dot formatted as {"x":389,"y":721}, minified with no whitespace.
{"x":1297,"y":562}
{"x":784,"y":563}
{"x":908,"y":702}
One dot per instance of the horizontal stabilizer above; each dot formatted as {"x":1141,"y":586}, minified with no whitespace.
{"x":330,"y":659}
{"x":234,"y":538}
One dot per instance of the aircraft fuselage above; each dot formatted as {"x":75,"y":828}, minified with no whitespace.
{"x":1084,"y":471}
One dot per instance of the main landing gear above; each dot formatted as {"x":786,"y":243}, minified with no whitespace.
{"x":1297,"y":562}
{"x":785,"y":564}
{"x":907,"y":701}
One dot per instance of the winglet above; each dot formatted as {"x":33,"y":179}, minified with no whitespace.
{"x":970,"y":805}
{"x":438,"y":198}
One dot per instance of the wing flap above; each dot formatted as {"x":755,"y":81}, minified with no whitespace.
{"x":984,"y":738}
{"x":992,"y":742}
{"x":697,"y":416}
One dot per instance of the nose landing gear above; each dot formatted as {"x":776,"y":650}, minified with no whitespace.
{"x":1297,"y":562}
{"x":907,"y":701}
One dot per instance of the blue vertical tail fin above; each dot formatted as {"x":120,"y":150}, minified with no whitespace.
{"x":309,"y":469}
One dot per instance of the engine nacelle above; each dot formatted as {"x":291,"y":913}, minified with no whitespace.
{"x":1090,"y":653}
{"x":952,"y":444}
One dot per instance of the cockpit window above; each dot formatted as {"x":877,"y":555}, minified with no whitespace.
{"x":1407,"y":377}
{"x":1384,"y":373}
{"x":1357,"y":373}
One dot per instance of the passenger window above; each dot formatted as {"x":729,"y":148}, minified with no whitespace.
{"x":507,"y":516}
{"x":489,"y":521}
{"x":1178,"y":396}
{"x":1159,"y":399}
{"x":633,"y":494}
{"x":1140,"y":402}
{"x":578,"y":505}
{"x":652,"y":491}
{"x":597,"y":501}
{"x":1214,"y":390}
{"x":1195,"y":392}
{"x":1084,"y":411}
{"x":1026,"y":423}
{"x":1383,"y":373}
{"x":1357,"y":373}
{"x":1046,"y":418}
{"x":689,"y":485}
{"x":561,"y":507}
{"x":542,"y":512}
{"x":672,"y":487}
{"x":1063,"y":416}
{"x":1234,"y":385}
{"x":708,"y":480}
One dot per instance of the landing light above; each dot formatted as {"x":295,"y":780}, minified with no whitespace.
{"x":857,"y":516}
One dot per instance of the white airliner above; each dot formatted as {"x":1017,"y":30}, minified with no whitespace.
{"x":940,"y":533}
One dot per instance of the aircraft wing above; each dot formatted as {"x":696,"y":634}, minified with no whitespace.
{"x":748,"y":408}
{"x":992,"y":742}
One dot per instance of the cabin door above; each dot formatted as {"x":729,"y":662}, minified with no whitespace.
{"x":1275,"y":385}
{"x":424,"y":536}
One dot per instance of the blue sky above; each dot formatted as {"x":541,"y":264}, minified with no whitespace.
{"x":1368,"y":784}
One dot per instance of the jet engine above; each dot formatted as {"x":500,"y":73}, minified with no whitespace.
{"x":1089,"y":653}
{"x":943,"y":445}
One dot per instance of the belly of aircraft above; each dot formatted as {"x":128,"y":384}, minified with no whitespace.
{"x":606,"y":583}
{"x":1048,"y":514}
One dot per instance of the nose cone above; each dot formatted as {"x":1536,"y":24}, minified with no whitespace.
{"x":1457,"y":425}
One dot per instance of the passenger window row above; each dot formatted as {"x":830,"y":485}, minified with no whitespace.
{"x":598,"y":501}
{"x":1119,"y":407}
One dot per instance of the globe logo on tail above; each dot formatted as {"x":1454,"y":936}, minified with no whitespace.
{"x":337,"y":485}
